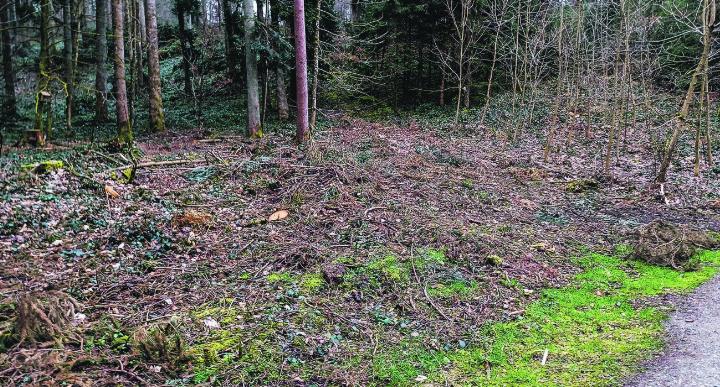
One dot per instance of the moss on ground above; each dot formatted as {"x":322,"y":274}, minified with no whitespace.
{"x":592,"y":329}
{"x":592,"y":333}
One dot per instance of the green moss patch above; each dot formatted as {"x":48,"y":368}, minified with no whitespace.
{"x":592,"y":333}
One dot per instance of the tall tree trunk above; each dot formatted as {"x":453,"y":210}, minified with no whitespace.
{"x":253,"y":97}
{"x":101,"y":109}
{"x":9,"y":107}
{"x":43,"y":110}
{"x":231,"y":53}
{"x":301,"y":83}
{"x":68,"y":60}
{"x":316,"y":64}
{"x":124,"y":127}
{"x":157,"y":117}
{"x":185,"y":47}
{"x":281,"y":85}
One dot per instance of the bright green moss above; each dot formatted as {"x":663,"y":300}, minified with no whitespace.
{"x":590,"y":329}
{"x":390,"y":268}
{"x":312,"y":282}
{"x":280,"y":277}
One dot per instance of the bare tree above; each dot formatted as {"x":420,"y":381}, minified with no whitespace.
{"x":708,"y":19}
{"x":498,"y":10}
{"x":463,"y":50}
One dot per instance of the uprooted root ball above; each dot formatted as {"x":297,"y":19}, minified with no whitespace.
{"x":665,"y":244}
{"x":45,"y":316}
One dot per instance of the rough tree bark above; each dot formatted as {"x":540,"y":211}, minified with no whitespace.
{"x":124,"y":127}
{"x":253,"y":97}
{"x":157,"y":117}
{"x":9,"y":107}
{"x":101,"y":109}
{"x":303,"y":132}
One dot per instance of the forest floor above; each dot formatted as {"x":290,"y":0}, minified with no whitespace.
{"x":378,"y":254}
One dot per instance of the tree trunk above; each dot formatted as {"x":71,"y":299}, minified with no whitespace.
{"x":101,"y":109}
{"x":68,"y":60}
{"x":125,"y":135}
{"x":253,"y":97}
{"x":184,"y":44}
{"x":316,"y":64}
{"x":10,"y":108}
{"x":157,"y":117}
{"x":43,"y":110}
{"x":303,"y":132}
{"x":231,"y":53}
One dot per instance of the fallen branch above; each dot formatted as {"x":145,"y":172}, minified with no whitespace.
{"x":156,"y":164}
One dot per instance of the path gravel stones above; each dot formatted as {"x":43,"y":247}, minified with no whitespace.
{"x":692,"y":356}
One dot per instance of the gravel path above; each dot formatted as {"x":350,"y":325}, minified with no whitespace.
{"x":692,"y":357}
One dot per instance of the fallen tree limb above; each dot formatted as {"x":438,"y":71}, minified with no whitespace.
{"x":157,"y":164}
